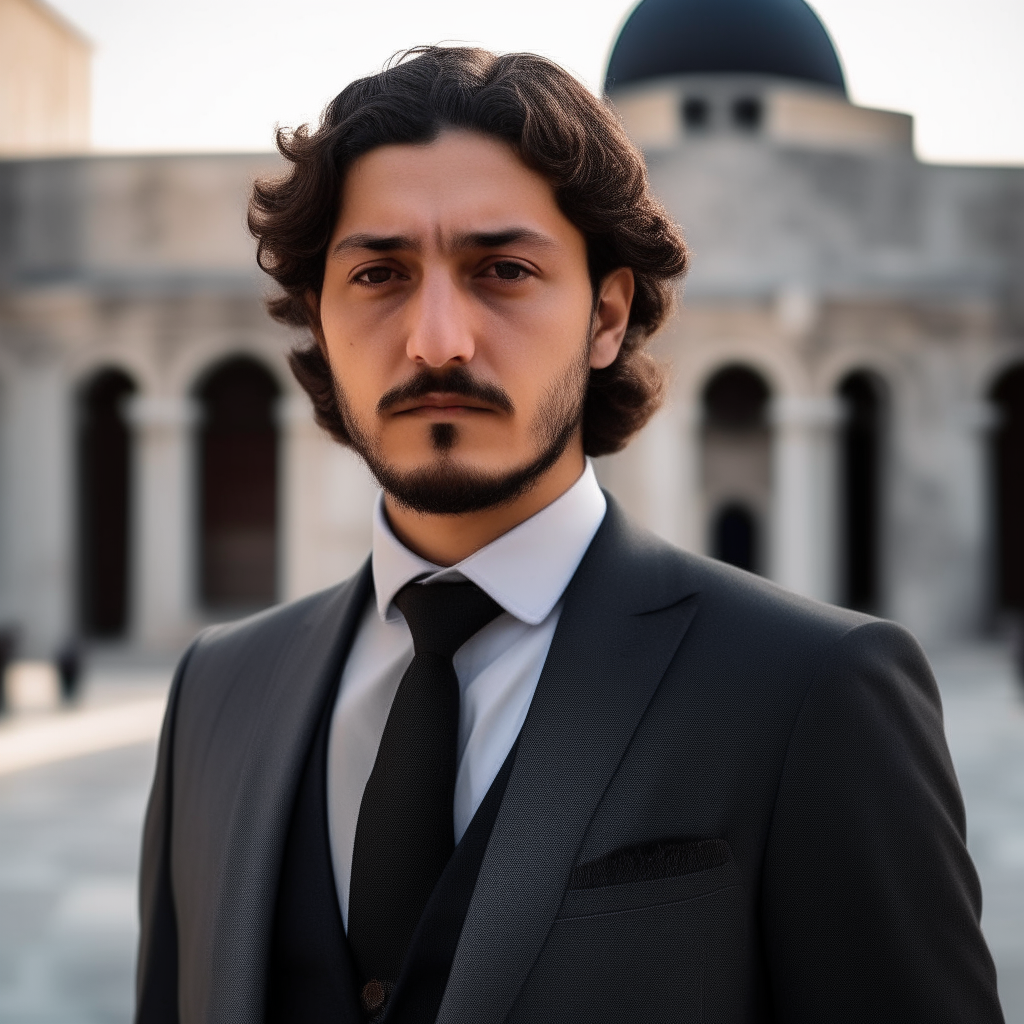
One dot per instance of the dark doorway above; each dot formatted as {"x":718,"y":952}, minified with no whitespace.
{"x":238,"y":486}
{"x":1008,"y":394}
{"x":736,"y":470}
{"x":735,"y":537}
{"x":861,"y":455}
{"x":736,"y":399}
{"x":104,"y":499}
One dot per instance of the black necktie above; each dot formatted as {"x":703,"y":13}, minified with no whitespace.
{"x":405,"y":833}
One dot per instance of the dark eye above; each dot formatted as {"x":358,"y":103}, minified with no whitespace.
{"x":509,"y":271}
{"x":377,"y":275}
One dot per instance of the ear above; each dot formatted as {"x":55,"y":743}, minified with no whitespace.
{"x":611,"y":317}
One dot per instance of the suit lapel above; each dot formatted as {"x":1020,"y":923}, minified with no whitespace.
{"x":293,"y":694}
{"x":624,"y":616}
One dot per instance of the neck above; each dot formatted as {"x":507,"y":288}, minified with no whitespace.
{"x":446,"y":540}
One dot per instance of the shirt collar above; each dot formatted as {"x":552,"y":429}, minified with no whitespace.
{"x":525,"y":570}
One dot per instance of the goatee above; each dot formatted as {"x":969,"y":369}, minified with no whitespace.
{"x":445,"y":486}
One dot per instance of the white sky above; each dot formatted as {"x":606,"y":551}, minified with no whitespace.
{"x":218,"y":74}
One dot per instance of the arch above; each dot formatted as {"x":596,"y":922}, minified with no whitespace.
{"x":1008,"y":471}
{"x":734,"y":534}
{"x":104,"y":503}
{"x":782,"y":374}
{"x":193,"y":364}
{"x":861,"y":458}
{"x":881,"y":364}
{"x":736,"y":398}
{"x":133,"y":362}
{"x":736,"y":449}
{"x":238,"y":470}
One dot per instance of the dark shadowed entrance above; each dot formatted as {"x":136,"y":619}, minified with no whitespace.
{"x":238,"y":478}
{"x":861,"y":448}
{"x":736,"y":456}
{"x":735,"y":537}
{"x":104,"y":497}
{"x":1008,"y":395}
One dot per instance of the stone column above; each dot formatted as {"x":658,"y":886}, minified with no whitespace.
{"x":164,"y":514}
{"x":972,"y":490}
{"x":38,"y":507}
{"x":690,"y":528}
{"x":325,"y":501}
{"x":297,"y":498}
{"x":941,"y":549}
{"x":656,"y":478}
{"x":803,"y":553}
{"x":660,"y":453}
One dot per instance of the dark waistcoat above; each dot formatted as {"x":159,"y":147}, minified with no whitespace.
{"x":312,"y":977}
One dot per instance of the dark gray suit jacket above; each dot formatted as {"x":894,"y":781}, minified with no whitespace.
{"x":681,"y":701}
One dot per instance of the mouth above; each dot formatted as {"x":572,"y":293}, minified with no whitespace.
{"x":441,"y":405}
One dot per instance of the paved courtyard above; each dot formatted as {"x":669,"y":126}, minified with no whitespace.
{"x":984,"y":708}
{"x":69,"y":835}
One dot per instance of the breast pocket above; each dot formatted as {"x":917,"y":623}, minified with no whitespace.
{"x":637,"y":895}
{"x":662,"y":951}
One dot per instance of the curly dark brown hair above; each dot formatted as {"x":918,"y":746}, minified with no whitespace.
{"x":557,"y":127}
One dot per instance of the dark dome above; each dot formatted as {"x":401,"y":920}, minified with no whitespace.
{"x":764,"y":37}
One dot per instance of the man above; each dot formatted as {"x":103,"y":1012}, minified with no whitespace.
{"x":530,"y":763}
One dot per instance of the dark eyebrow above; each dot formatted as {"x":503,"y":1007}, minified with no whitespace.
{"x":497,"y":239}
{"x":460,"y":241}
{"x":375,"y":243}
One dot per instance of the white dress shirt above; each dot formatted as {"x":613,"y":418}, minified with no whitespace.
{"x":525,"y":571}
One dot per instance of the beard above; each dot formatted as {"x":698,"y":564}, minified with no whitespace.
{"x":448,"y":487}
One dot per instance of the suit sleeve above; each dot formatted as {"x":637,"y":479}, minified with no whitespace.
{"x":870,"y":902}
{"x":157,"y":968}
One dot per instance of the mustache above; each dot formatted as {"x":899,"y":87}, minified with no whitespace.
{"x":457,"y":381}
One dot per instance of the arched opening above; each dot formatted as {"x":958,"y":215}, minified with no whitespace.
{"x":861,"y":455}
{"x":736,"y":465}
{"x":696,"y":114}
{"x":104,"y":504}
{"x":735,"y":537}
{"x":1008,"y":395}
{"x":238,"y":486}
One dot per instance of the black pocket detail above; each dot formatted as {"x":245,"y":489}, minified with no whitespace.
{"x":645,"y":862}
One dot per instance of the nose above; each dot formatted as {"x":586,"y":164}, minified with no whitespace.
{"x":440,"y":331}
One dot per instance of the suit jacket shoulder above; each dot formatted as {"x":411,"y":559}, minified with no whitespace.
{"x":737,"y":611}
{"x":263,"y":636}
{"x":241,"y":715}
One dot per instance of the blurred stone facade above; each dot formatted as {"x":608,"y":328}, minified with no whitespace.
{"x":126,"y":284}
{"x":845,"y":416}
{"x":44,"y":81}
{"x":879,"y":304}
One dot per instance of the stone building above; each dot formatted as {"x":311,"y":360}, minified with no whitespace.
{"x":847,"y":408}
{"x":159,"y":467}
{"x":847,"y":414}
{"x":44,"y":81}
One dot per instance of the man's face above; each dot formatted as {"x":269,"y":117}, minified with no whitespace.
{"x":458,"y":315}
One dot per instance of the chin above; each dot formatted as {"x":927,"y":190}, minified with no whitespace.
{"x":449,"y":473}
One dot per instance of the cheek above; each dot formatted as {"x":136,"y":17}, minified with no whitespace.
{"x":355,"y":373}
{"x":360,"y":357}
{"x":539,"y":348}
{"x":545,"y":329}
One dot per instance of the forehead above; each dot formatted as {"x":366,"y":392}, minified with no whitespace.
{"x":460,"y":181}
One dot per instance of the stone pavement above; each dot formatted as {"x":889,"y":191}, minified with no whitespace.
{"x":984,"y":709}
{"x":69,"y":835}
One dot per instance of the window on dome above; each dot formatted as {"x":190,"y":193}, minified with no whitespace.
{"x":696,"y":114}
{"x":747,"y":113}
